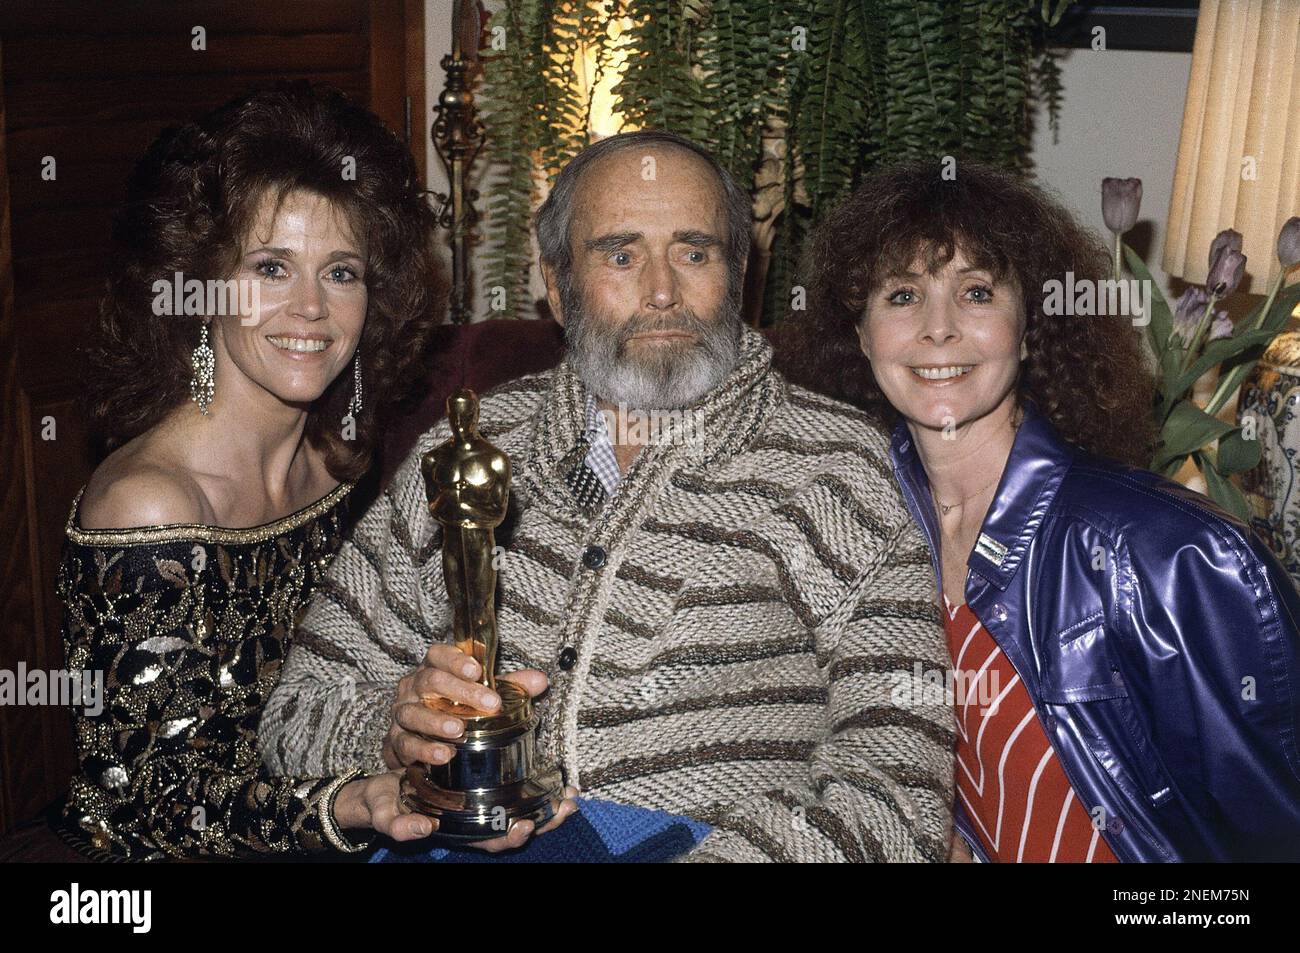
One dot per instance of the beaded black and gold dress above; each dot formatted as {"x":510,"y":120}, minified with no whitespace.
{"x":188,"y":626}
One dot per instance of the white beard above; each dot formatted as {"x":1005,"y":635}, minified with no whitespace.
{"x":672,"y":379}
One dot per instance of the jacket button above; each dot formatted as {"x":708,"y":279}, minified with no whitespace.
{"x":1115,"y":825}
{"x":593,"y":557}
{"x":1000,"y":612}
{"x":568,"y":657}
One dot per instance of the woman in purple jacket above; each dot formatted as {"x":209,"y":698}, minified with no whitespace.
{"x":1126,"y":663}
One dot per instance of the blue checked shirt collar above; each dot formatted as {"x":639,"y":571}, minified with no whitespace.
{"x":600,"y":454}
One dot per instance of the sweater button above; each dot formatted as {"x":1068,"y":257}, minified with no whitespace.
{"x":593,"y":557}
{"x":568,"y":657}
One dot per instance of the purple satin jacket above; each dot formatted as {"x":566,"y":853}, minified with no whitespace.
{"x":1158,"y":639}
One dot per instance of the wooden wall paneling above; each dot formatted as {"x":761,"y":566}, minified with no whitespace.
{"x":387,"y":72}
{"x":396,"y":29}
{"x":35,"y":742}
{"x":419,"y":118}
{"x":98,"y":18}
{"x":16,"y":596}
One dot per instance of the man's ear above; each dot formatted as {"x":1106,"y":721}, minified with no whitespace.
{"x":553,"y":293}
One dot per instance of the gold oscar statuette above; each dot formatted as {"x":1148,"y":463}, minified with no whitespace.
{"x":494,"y":777}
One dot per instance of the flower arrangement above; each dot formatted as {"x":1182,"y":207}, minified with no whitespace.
{"x":1194,"y":338}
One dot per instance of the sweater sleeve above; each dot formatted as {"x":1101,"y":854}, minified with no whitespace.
{"x":381,"y":605}
{"x":879,"y":784}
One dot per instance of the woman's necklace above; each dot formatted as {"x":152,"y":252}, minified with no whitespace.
{"x":945,"y":507}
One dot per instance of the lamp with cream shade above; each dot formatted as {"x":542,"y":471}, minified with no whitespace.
{"x":1239,"y":154}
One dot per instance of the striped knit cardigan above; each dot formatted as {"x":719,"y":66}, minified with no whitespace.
{"x":763,"y":594}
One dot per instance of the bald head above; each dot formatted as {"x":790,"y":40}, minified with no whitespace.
{"x":645,"y":154}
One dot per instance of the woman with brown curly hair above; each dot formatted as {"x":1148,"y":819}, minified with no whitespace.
{"x":273,"y":282}
{"x":1125,"y":654}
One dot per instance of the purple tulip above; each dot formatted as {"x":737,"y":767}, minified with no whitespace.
{"x":1288,"y":243}
{"x":1228,"y":238}
{"x":1221,"y":327}
{"x":1225,"y":271}
{"x":1120,"y":201}
{"x":1189,"y":311}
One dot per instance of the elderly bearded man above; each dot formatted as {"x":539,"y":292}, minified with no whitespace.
{"x":716,"y":608}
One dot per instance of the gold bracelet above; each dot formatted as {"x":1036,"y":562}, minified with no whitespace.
{"x":325,"y":811}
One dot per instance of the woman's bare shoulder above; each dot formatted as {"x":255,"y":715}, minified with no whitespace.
{"x":132,"y":488}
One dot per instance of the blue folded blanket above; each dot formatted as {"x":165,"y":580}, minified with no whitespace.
{"x":601,"y":832}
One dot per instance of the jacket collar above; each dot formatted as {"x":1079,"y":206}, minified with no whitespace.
{"x":1037,"y":464}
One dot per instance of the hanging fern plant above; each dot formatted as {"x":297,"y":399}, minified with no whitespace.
{"x":797,"y":100}
{"x":515,"y":115}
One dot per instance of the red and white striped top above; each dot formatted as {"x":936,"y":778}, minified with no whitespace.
{"x":1008,"y":777}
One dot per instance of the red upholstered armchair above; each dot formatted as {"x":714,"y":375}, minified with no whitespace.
{"x":479,"y":356}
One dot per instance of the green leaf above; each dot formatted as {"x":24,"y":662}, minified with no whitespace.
{"x":1171,"y":360}
{"x":1161,"y":326}
{"x":1216,"y":351}
{"x":1171,"y":468}
{"x":1237,"y":454}
{"x":1223,"y":492}
{"x":1237,"y":368}
{"x":1286,"y":301}
{"x":1187,"y":430}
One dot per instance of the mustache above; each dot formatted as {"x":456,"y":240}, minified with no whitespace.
{"x":688,"y":321}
